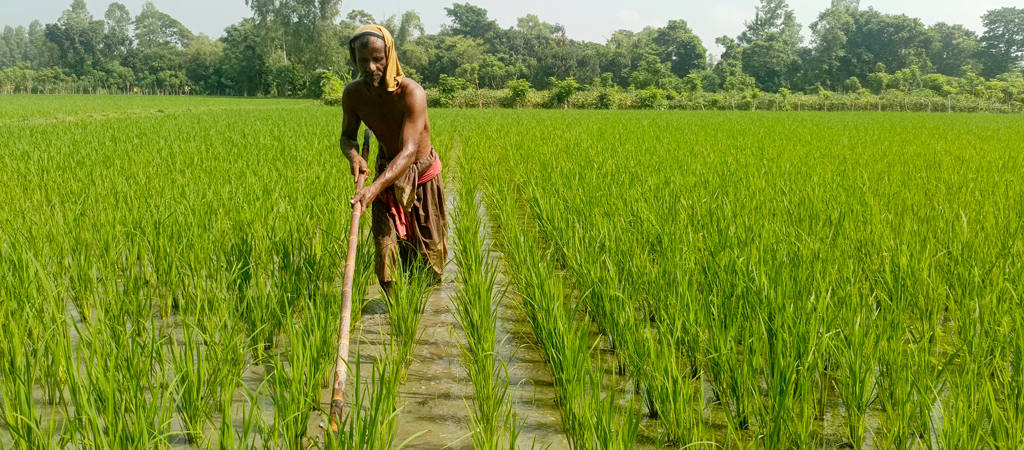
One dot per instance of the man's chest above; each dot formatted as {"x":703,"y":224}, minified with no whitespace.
{"x":383,"y":119}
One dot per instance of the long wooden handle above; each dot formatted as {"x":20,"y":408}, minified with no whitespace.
{"x":341,"y":364}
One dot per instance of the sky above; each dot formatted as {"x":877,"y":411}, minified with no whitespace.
{"x":592,"y":20}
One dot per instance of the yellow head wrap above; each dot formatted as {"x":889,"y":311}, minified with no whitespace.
{"x":392,"y":72}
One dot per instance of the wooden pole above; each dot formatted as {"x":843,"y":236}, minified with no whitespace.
{"x":341,"y":364}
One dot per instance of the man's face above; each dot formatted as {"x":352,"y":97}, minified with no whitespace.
{"x":371,"y":60}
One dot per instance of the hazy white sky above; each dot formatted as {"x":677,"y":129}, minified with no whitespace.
{"x":592,"y":20}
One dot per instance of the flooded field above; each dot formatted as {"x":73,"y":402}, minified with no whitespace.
{"x":169,"y":278}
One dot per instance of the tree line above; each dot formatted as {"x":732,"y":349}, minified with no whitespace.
{"x":290,"y":47}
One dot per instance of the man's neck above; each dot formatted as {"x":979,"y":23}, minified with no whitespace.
{"x":381,"y":90}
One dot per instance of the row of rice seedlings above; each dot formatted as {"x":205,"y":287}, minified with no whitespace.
{"x":371,"y":420}
{"x":194,"y":383}
{"x":406,"y":301}
{"x":662,"y":355}
{"x":562,"y":331}
{"x":1005,"y":394}
{"x":21,"y":361}
{"x":120,"y":385}
{"x":372,"y":416}
{"x":493,"y":423}
{"x":856,"y":384}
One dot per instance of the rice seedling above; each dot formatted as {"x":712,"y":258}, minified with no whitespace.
{"x":405,"y":303}
{"x":19,"y":368}
{"x":371,"y":420}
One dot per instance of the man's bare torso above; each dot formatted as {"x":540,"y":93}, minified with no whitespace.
{"x":384,"y":113}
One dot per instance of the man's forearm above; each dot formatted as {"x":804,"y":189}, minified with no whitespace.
{"x":349,"y":147}
{"x":395,"y":169}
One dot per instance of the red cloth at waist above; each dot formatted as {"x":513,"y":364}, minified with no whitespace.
{"x":388,"y":197}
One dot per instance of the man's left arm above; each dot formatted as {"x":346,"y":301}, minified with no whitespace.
{"x":415,"y":111}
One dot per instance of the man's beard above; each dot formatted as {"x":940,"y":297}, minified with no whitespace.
{"x":375,"y":78}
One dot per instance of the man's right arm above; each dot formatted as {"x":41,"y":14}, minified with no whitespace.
{"x":349,"y":130}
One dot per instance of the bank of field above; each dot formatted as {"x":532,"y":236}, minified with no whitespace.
{"x":169,"y":273}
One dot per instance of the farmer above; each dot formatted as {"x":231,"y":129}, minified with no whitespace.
{"x":407,"y":194}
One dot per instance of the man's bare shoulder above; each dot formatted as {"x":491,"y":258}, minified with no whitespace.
{"x":412,"y":89}
{"x":353,"y":90}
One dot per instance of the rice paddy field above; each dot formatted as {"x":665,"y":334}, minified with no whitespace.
{"x":170,"y":278}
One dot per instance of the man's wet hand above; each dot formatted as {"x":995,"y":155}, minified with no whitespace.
{"x":364,"y":197}
{"x":358,"y":167}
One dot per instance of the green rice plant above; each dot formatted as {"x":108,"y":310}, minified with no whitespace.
{"x":371,"y":420}
{"x":809,"y":346}
{"x":226,"y":344}
{"x":777,"y":412}
{"x":965,"y":415}
{"x":229,"y":438}
{"x":213,"y":206}
{"x":19,"y":368}
{"x":895,"y":388}
{"x":364,"y":273}
{"x":678,"y":397}
{"x":1005,"y":394}
{"x":562,"y":331}
{"x":410,"y":288}
{"x":856,"y":384}
{"x":296,"y":380}
{"x":492,"y":421}
{"x":730,"y":366}
{"x":120,"y":386}
{"x":195,"y":380}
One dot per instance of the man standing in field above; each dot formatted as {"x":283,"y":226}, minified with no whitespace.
{"x":407,"y":194}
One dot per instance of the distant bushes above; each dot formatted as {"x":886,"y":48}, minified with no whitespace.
{"x":921,"y":94}
{"x":657,"y":99}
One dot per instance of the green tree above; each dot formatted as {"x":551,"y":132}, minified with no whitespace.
{"x":774,"y":20}
{"x":624,"y":50}
{"x":852,"y":85}
{"x":77,"y":38}
{"x":1003,"y":41}
{"x":679,"y":47}
{"x":768,"y":62}
{"x":43,"y":53}
{"x":878,"y":81}
{"x":562,"y":90}
{"x":517,"y":91}
{"x":830,"y":35}
{"x":244,"y":66}
{"x":202,"y":62}
{"x":305,"y":32}
{"x":953,"y":47}
{"x":563,"y":58}
{"x":117,"y":40}
{"x":16,"y":45}
{"x":740,"y":83}
{"x":494,"y":74}
{"x":469,"y":20}
{"x":361,"y":17}
{"x":898,"y":41}
{"x":154,"y":28}
{"x":693,"y":84}
{"x":533,"y":26}
{"x":447,"y":53}
{"x":731,"y":63}
{"x":654,"y":73}
{"x":405,"y":29}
